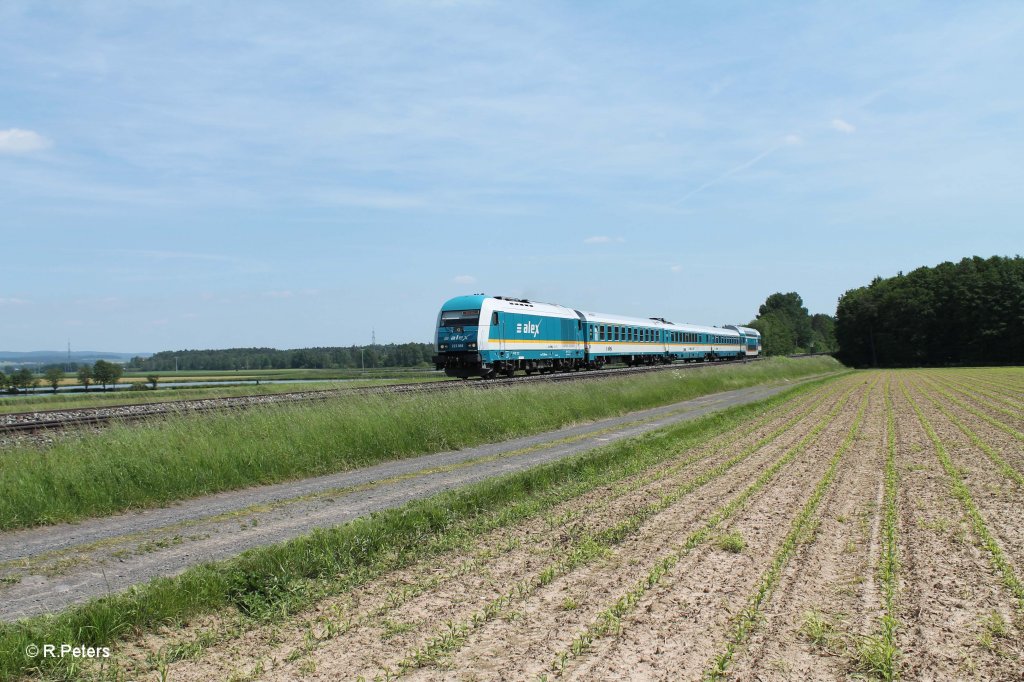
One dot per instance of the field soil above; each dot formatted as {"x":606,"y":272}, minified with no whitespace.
{"x":754,"y":555}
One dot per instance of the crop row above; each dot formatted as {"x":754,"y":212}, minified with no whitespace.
{"x":962,"y":493}
{"x":747,"y":619}
{"x":586,"y":549}
{"x":608,"y":620}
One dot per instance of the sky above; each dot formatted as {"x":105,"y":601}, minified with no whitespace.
{"x":289,"y":174}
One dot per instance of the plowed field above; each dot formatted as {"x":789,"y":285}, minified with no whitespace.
{"x":870,"y":528}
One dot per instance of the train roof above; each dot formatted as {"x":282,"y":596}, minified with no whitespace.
{"x":746,"y":331}
{"x":477,"y":301}
{"x":605,"y":318}
{"x":702,"y":329}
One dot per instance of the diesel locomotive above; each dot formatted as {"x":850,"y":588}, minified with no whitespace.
{"x":488,"y":336}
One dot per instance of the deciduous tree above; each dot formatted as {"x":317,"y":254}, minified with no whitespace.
{"x":54,"y":375}
{"x":85,"y":376}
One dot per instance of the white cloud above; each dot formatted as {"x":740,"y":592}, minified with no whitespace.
{"x":18,"y":141}
{"x":464,"y":279}
{"x":13,"y":301}
{"x":603,"y":240}
{"x":279,"y":294}
{"x":793,"y":139}
{"x":676,"y":268}
{"x":842,"y":126}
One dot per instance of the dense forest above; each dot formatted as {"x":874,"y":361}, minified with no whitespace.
{"x":966,"y":313}
{"x":331,"y":357}
{"x":787,"y":328}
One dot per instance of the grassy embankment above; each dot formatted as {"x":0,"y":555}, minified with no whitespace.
{"x":129,"y":467}
{"x":270,"y":582}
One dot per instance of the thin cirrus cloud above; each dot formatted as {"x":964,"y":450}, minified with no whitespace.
{"x":464,"y":279}
{"x":603,"y":240}
{"x":843,"y":126}
{"x":18,"y":141}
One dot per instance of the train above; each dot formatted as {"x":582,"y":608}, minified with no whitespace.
{"x":490,"y":336}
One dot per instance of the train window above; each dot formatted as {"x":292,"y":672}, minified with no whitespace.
{"x":459,"y":318}
{"x":494,"y":319}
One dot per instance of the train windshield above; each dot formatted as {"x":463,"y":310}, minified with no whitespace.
{"x":460,"y":318}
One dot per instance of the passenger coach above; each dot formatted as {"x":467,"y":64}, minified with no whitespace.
{"x":488,"y":336}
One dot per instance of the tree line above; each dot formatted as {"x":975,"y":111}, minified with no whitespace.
{"x":966,"y":313}
{"x":329,"y":357}
{"x":101,"y":373}
{"x":787,"y":328}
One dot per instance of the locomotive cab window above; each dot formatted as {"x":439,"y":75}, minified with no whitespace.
{"x":459,"y":318}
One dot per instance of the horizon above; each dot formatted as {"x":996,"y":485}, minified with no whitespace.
{"x":209,"y":177}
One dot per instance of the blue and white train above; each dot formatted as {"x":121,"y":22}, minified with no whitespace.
{"x":487,"y":336}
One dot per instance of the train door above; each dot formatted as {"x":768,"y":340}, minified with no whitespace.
{"x":498,"y":328}
{"x":586,"y":334}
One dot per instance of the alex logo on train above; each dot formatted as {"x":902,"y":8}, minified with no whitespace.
{"x":528,"y":328}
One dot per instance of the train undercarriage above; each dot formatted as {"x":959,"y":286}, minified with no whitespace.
{"x":469,"y":365}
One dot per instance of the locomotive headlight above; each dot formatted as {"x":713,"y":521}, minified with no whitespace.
{"x":444,"y":346}
{"x":472,"y":344}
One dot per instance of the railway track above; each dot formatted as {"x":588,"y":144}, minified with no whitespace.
{"x":50,"y":420}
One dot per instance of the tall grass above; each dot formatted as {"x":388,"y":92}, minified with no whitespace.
{"x":270,"y":582}
{"x":128,"y":467}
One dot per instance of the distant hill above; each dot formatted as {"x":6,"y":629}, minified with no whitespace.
{"x":49,"y":357}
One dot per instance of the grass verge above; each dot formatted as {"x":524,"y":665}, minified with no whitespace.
{"x":131,"y":467}
{"x":274,"y":581}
